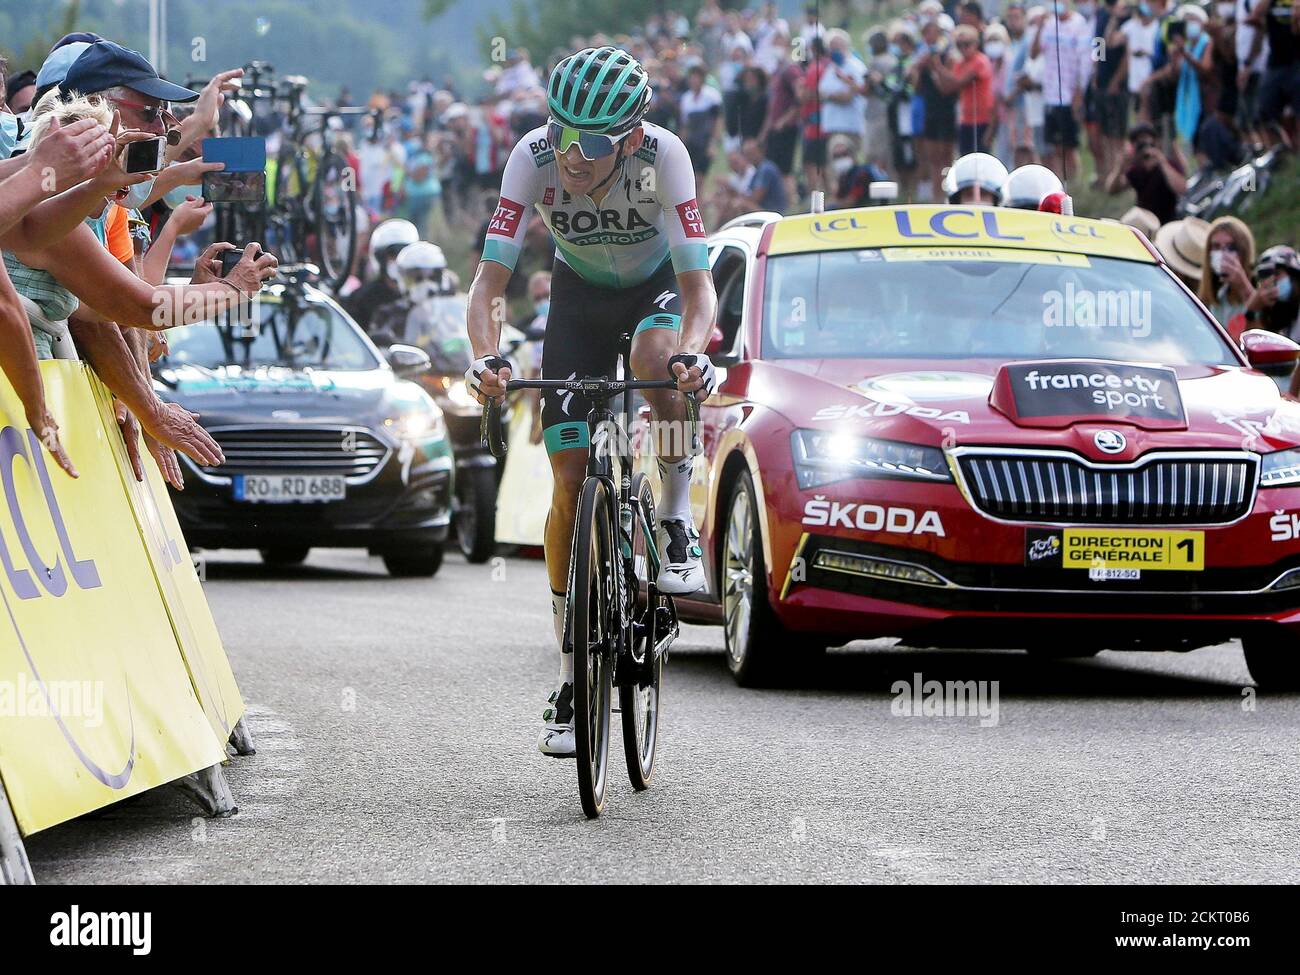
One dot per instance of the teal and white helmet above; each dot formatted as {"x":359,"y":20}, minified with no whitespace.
{"x":602,"y":90}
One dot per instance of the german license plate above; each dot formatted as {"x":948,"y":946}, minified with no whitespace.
{"x":289,"y":488}
{"x":1115,"y":553}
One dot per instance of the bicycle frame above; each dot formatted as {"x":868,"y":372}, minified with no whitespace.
{"x":602,"y":422}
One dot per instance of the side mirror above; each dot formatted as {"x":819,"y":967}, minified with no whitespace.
{"x":1269,"y":352}
{"x":408,"y":361}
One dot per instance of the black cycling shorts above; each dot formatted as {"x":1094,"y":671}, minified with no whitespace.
{"x":584,"y":336}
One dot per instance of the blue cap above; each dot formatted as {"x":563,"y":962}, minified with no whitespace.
{"x":106,"y":65}
{"x":56,"y":66}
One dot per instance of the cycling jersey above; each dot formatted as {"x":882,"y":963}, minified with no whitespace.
{"x":649,"y":214}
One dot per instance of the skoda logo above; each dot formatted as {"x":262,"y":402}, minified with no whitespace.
{"x":1109,"y":441}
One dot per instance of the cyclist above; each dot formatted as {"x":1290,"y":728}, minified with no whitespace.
{"x":386,"y":242}
{"x":618,"y":194}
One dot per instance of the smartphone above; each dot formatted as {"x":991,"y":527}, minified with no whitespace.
{"x":234,"y":187}
{"x":244,"y":178}
{"x":232,"y":257}
{"x":146,"y":156}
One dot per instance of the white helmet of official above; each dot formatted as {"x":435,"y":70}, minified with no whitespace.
{"x":421,"y":271}
{"x":976,"y":170}
{"x":1026,"y":187}
{"x":385,"y":243}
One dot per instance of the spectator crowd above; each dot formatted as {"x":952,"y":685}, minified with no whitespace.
{"x":84,"y":255}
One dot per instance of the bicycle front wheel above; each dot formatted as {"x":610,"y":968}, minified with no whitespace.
{"x":638,"y":696}
{"x":334,"y":218}
{"x":594,"y":633}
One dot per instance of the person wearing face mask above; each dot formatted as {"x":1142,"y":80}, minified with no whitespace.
{"x":1229,"y":258}
{"x":1135,"y":30}
{"x":851,"y":179}
{"x":880,"y":65}
{"x":1277,"y":297}
{"x":970,"y":77}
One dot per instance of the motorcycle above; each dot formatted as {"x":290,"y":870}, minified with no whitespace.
{"x":438,"y":327}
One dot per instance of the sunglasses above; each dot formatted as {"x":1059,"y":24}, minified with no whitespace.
{"x":592,"y":145}
{"x":149,"y":114}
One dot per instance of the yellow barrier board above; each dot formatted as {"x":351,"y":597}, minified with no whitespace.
{"x":96,"y":704}
{"x":925,"y":225}
{"x":192,"y":622}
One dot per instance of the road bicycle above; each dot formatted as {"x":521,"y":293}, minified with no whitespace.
{"x":310,"y":209}
{"x":618,"y":623}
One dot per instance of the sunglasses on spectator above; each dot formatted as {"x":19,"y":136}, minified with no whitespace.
{"x":592,"y":145}
{"x":149,"y":114}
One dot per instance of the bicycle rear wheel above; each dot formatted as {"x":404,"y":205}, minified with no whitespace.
{"x":638,"y":704}
{"x":595,"y":636}
{"x":334,"y":219}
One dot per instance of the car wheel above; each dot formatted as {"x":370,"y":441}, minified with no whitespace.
{"x":476,"y":512}
{"x":1273,"y":661}
{"x":414,"y":561}
{"x":758,"y":646}
{"x":284,"y":555}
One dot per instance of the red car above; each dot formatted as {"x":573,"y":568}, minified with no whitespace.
{"x":977,"y":427}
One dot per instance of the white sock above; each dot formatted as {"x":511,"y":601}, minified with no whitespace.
{"x":557,"y":618}
{"x":675,"y":499}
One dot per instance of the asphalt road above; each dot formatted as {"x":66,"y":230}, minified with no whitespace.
{"x":396,"y":725}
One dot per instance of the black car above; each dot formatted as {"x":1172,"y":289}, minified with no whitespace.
{"x":326,"y":442}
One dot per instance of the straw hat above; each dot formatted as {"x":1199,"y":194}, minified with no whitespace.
{"x":1141,"y":219}
{"x":1182,"y":244}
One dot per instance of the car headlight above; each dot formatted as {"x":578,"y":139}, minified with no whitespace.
{"x":823,"y":456}
{"x":459,"y":396}
{"x":1280,"y":468}
{"x":418,"y":426}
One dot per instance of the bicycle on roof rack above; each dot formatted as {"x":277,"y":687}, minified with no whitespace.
{"x":309,"y":213}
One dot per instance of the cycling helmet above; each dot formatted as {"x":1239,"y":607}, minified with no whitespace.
{"x":1026,"y":187}
{"x":421,"y":271}
{"x":387,"y":239}
{"x":599,"y":89}
{"x":975,"y":169}
{"x":1277,"y":257}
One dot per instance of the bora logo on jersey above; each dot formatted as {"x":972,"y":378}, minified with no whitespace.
{"x":602,"y":227}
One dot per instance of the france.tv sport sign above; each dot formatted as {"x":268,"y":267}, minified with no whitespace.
{"x":1084,"y":389}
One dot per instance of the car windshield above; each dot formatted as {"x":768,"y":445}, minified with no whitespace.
{"x":312,"y":335}
{"x":964,"y":303}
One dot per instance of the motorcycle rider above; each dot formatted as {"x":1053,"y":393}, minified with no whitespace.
{"x":386,"y":242}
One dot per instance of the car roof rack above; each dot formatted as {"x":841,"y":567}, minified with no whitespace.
{"x":759,"y":218}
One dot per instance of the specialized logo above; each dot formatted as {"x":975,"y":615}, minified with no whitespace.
{"x":1109,"y":441}
{"x":506,"y":217}
{"x":664,"y":298}
{"x":876,"y":408}
{"x":871,"y":518}
{"x":692,"y":221}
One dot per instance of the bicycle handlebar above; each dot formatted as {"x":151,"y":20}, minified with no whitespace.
{"x":594,"y":388}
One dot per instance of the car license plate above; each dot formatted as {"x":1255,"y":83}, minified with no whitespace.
{"x":1113,"y":553}
{"x":289,"y":488}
